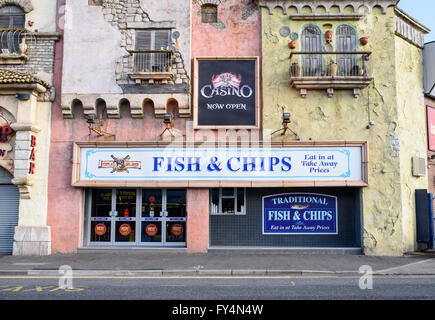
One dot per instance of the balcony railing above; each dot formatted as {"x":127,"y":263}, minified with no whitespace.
{"x":10,"y":40}
{"x":151,"y":66}
{"x":152,"y":61}
{"x":330,"y":70}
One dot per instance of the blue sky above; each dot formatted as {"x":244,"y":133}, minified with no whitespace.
{"x":423,"y":11}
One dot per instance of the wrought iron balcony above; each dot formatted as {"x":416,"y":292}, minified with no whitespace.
{"x":330,"y":70}
{"x":152,"y":65}
{"x":13,"y":45}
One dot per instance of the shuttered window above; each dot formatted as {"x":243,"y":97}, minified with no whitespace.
{"x":11,"y":17}
{"x":346,"y":42}
{"x":209,"y":13}
{"x":153,"y":39}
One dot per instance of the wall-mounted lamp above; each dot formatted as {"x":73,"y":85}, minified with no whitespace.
{"x":95,"y":125}
{"x":168,"y":120}
{"x":286,"y":119}
{"x":23,"y":96}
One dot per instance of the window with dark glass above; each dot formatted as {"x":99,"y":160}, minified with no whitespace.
{"x":209,"y":13}
{"x":230,"y":201}
{"x":12,"y":21}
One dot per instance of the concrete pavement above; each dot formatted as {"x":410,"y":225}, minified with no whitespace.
{"x":149,"y":263}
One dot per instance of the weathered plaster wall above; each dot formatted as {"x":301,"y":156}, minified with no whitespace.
{"x":412,"y":130}
{"x":43,"y":15}
{"x":33,"y":212}
{"x":178,"y":11}
{"x":343,"y":117}
{"x":237,"y":32}
{"x":91,"y":48}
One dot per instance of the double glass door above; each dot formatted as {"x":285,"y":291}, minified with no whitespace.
{"x":138,"y":217}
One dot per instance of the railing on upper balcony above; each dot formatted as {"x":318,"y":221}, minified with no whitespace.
{"x":10,"y":40}
{"x":152,"y":60}
{"x":330,"y":64}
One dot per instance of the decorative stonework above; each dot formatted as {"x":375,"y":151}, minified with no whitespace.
{"x":409,"y":28}
{"x":203,"y":2}
{"x":326,"y":4}
{"x":128,"y":16}
{"x":136,"y":102}
{"x":25,"y":4}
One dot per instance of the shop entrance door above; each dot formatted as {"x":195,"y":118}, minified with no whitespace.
{"x":163,"y":221}
{"x":138,"y":217}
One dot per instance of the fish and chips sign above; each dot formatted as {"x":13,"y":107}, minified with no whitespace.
{"x":280,"y":165}
{"x":299,"y":213}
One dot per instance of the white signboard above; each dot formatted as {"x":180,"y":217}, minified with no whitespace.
{"x":212,"y":164}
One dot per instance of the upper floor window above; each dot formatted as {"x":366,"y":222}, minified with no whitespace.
{"x":346,"y":42}
{"x":311,"y":42}
{"x":13,"y":19}
{"x":153,"y":51}
{"x":209,"y":13}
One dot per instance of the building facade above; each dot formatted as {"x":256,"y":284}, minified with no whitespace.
{"x":429,"y":100}
{"x":350,"y":65}
{"x":225,"y":124}
{"x":28,"y":38}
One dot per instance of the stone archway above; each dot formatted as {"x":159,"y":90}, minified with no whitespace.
{"x":25,"y":4}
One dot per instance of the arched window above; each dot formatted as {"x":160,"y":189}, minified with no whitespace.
{"x":12,"y":18}
{"x":311,"y":42}
{"x":346,"y":42}
{"x":209,"y":13}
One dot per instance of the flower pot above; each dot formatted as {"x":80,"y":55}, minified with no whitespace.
{"x":23,"y":46}
{"x":333,"y":69}
{"x":328,"y":36}
{"x":295,"y":69}
{"x":364,"y":40}
{"x":293,"y":44}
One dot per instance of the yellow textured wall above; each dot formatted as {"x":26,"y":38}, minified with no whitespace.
{"x":412,"y":130}
{"x":33,"y":212}
{"x":384,"y":203}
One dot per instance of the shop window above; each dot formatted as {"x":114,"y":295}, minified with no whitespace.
{"x":228,"y":201}
{"x":209,"y":13}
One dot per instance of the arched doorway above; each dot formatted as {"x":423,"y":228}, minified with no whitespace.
{"x":9,"y":203}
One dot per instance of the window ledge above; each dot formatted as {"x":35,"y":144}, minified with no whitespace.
{"x":151,"y":77}
{"x":8,"y":58}
{"x":330,"y":83}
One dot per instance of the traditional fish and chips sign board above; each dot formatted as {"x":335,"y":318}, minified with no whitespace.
{"x":300,"y":213}
{"x":284,"y":165}
{"x":226,"y":94}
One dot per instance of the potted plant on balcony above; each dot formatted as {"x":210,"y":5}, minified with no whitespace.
{"x":333,"y":68}
{"x":294,"y":69}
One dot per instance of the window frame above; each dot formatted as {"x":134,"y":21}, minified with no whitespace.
{"x":213,"y":14}
{"x":153,"y":39}
{"x":234,"y":196}
{"x":11,"y":15}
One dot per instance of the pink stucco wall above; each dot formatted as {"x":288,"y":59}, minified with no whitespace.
{"x":237,"y":32}
{"x":197,"y":220}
